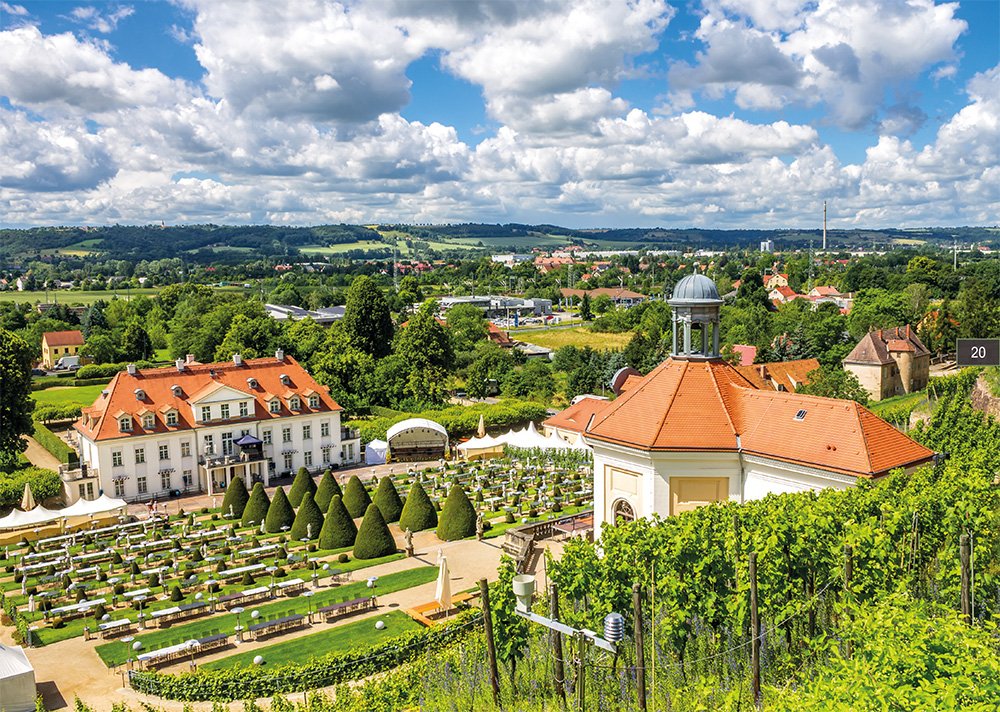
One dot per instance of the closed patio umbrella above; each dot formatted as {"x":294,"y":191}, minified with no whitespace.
{"x":27,"y":500}
{"x":442,"y":593}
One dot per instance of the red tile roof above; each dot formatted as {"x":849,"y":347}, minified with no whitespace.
{"x":612,"y":292}
{"x":577,"y":415}
{"x":747,"y":353}
{"x":196,"y":381}
{"x":875,"y":346}
{"x":63,"y":338}
{"x":691,"y":406}
{"x":790,"y":374}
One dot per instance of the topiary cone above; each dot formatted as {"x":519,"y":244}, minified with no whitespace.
{"x":387,"y":499}
{"x":418,"y":511}
{"x":300,"y":485}
{"x":328,"y":487}
{"x":236,"y":498}
{"x":256,"y":509}
{"x":339,"y":530}
{"x":374,"y":538}
{"x":458,"y":516}
{"x":308,"y":514}
{"x":356,"y":497}
{"x":280,"y":513}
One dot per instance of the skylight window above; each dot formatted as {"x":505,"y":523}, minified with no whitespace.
{"x":801,"y":415}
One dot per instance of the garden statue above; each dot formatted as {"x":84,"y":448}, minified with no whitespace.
{"x":309,"y":530}
{"x":24,"y":585}
{"x":480,"y":526}
{"x":262,"y":527}
{"x":408,"y":539}
{"x":31,"y":603}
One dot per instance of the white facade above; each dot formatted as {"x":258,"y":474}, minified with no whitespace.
{"x":205,"y":457}
{"x":655,"y":483}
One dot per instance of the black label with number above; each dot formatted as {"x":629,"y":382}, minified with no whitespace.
{"x":978,"y":352}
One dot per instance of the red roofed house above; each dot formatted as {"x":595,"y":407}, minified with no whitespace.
{"x":195,"y":427}
{"x":783,"y":294}
{"x":775,"y":280}
{"x":619,"y":295}
{"x":890,"y":362}
{"x":695,"y":430}
{"x":56,"y":344}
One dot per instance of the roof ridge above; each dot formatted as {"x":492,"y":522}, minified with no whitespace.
{"x":724,"y":399}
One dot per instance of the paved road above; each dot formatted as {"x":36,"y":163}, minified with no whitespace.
{"x":39,"y":456}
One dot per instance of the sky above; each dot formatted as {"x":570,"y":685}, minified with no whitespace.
{"x":582,"y":113}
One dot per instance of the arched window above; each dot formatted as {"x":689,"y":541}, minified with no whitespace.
{"x":622,"y":512}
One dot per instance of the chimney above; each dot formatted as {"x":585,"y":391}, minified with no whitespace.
{"x":763,"y":373}
{"x":237,"y":360}
{"x":131,"y":369}
{"x":189,"y":358}
{"x":279,"y":355}
{"x":179,"y":363}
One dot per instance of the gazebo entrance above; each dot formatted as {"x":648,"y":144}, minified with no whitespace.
{"x":249,"y":463}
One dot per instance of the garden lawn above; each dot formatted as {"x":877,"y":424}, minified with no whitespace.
{"x":556,"y":337}
{"x":352,"y":636}
{"x":70,"y":395}
{"x":117,"y":652}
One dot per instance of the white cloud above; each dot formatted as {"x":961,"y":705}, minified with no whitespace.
{"x":844,"y":53}
{"x":18,"y":10}
{"x":103,"y":22}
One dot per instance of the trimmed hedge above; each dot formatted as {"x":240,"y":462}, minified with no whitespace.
{"x":257,"y":506}
{"x":374,"y":538}
{"x":55,"y":445}
{"x":322,"y":671}
{"x":387,"y":500}
{"x":307,"y":514}
{"x":280,"y":513}
{"x":47,"y":413}
{"x":458,"y":420}
{"x":418,"y":512}
{"x":356,"y":497}
{"x":236,"y":498}
{"x":43,"y":483}
{"x":328,"y":488}
{"x":458,"y":516}
{"x":303,"y":483}
{"x":104,"y":371}
{"x":339,"y":530}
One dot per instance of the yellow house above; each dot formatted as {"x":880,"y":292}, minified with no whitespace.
{"x":56,"y":344}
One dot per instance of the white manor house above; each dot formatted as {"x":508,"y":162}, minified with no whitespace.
{"x":195,"y":427}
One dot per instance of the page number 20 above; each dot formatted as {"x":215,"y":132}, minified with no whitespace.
{"x":978,"y":352}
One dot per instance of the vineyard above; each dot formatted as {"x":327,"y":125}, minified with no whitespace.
{"x":858,"y":594}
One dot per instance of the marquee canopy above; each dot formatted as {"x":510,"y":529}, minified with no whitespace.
{"x":19,"y":519}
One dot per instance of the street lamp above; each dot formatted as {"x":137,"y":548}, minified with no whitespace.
{"x":308,"y":595}
{"x":239,"y":629}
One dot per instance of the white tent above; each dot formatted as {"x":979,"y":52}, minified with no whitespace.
{"x":17,"y":680}
{"x":40,"y":515}
{"x":375,"y":452}
{"x":528,"y":438}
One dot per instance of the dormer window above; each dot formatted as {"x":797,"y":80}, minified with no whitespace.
{"x":224,"y":408}
{"x":274,"y":406}
{"x":125,"y":424}
{"x":244,"y":409}
{"x":140,"y":395}
{"x":206,"y":413}
{"x":294,"y":403}
{"x":285,"y":380}
{"x":176,"y":390}
{"x":314,"y":401}
{"x":252,"y":382}
{"x":172,"y":417}
{"x":148,"y":421}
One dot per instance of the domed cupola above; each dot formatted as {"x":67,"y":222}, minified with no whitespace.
{"x":695,"y":304}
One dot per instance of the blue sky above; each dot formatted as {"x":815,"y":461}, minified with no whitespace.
{"x":728,"y":113}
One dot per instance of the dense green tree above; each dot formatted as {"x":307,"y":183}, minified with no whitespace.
{"x":16,"y":403}
{"x":287,"y":293}
{"x":418,"y":511}
{"x":308,"y":519}
{"x":751,"y":290}
{"x":280,"y":513}
{"x":467,"y":325}
{"x":327,"y":490}
{"x":302,"y":483}
{"x":586,"y":312}
{"x":491,"y":363}
{"x":835,"y":382}
{"x":387,"y":500}
{"x":347,"y":370}
{"x":977,"y":309}
{"x":339,"y":529}
{"x":102,"y":348}
{"x":374,"y":538}
{"x":585,"y":379}
{"x":93,"y":320}
{"x":251,"y":336}
{"x":878,"y":309}
{"x":303,"y":339}
{"x":236,"y":499}
{"x":458,"y":516}
{"x":426,"y":347}
{"x":356,"y":497}
{"x":367,"y":321}
{"x":136,"y":344}
{"x":256,"y":510}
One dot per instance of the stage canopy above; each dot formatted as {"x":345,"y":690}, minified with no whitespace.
{"x":19,"y":519}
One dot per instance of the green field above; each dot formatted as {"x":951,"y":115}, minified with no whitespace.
{"x":69,"y":395}
{"x":580,"y":337}
{"x":343,"y":247}
{"x":117,"y":652}
{"x":84,"y":248}
{"x":65,"y":296}
{"x":353,"y":636}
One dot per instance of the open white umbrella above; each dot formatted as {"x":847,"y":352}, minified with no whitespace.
{"x":28,"y":500}
{"x":442,"y":593}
